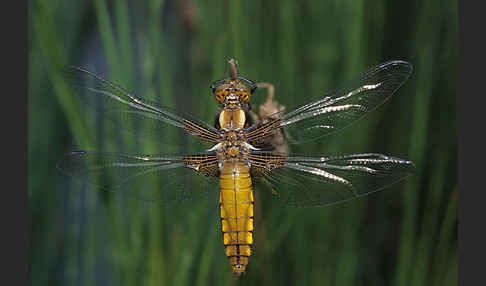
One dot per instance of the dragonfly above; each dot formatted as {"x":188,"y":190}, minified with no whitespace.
{"x":235,"y":156}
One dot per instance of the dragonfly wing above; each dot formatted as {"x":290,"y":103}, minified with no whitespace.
{"x":135,"y":114}
{"x":338,"y":109}
{"x":156,"y":178}
{"x":320,"y":181}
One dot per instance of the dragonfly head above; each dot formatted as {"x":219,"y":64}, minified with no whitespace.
{"x":233,"y":93}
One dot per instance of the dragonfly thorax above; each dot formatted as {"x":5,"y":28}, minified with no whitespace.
{"x":233,"y":147}
{"x":232,"y":119}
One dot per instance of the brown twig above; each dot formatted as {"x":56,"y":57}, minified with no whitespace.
{"x":232,"y":68}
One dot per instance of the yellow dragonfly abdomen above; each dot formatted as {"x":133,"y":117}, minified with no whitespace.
{"x":236,"y":203}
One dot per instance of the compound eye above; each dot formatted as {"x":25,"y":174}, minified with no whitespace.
{"x":219,"y":96}
{"x":244,"y":96}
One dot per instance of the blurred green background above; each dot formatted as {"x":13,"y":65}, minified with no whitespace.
{"x":171,"y":51}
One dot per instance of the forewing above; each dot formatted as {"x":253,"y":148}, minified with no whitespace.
{"x":338,"y":109}
{"x":320,"y":181}
{"x":144,"y":119}
{"x":155,"y":178}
